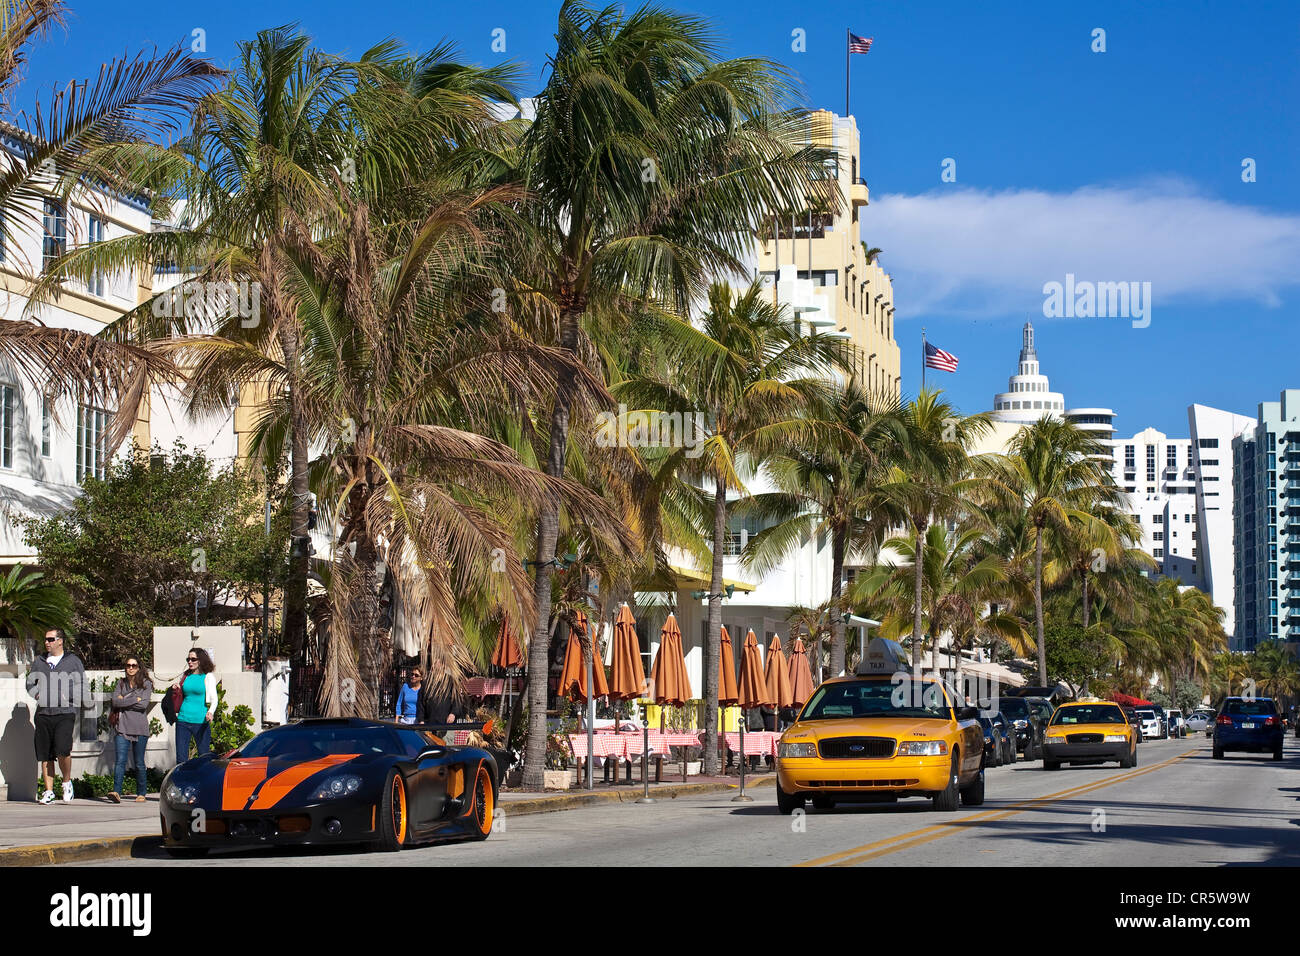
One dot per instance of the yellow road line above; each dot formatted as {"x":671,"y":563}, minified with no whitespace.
{"x":924,"y":835}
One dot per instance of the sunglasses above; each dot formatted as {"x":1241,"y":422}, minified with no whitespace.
{"x":52,"y":640}
{"x":192,"y":660}
{"x":132,"y":667}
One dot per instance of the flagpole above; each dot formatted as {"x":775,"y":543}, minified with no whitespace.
{"x":923,"y":358}
{"x":847,"y":46}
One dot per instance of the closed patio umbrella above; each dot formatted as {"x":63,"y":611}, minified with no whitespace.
{"x":507,"y":654}
{"x":753,"y":693}
{"x":626,"y":675}
{"x":573,"y":678}
{"x":671,"y":685}
{"x":776,"y":674}
{"x":801,"y":682}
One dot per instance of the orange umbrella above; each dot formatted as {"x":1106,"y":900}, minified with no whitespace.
{"x":573,"y":678}
{"x":777,"y":675}
{"x":671,"y":685}
{"x":626,"y":675}
{"x":727,"y":692}
{"x":507,"y":653}
{"x":753,"y":689}
{"x":801,"y":682}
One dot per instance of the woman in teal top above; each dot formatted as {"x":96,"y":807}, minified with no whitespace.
{"x":194,"y":719}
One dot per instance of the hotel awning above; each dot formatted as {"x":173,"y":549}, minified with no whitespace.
{"x":703,"y":579}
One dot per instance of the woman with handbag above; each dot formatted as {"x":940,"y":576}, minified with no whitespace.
{"x":129,"y":718}
{"x":198,"y":685}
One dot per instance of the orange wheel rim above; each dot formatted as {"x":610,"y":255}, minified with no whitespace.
{"x":399,"y":809}
{"x":483,"y":803}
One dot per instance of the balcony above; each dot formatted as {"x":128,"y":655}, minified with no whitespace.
{"x":858,"y":191}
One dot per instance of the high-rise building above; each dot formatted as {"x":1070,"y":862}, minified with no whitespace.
{"x":816,"y":263}
{"x":1029,"y":395}
{"x":1266,"y":513}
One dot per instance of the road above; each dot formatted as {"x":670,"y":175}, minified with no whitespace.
{"x":1177,"y":808}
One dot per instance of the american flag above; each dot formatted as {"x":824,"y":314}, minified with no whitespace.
{"x":859,"y":44}
{"x":938,"y":358}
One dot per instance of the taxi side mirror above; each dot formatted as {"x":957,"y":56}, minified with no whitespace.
{"x":967,"y":713}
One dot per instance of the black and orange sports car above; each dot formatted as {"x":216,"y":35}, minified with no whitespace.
{"x":332,"y":781}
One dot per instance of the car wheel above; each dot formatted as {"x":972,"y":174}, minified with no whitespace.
{"x":1030,"y":753}
{"x":1011,"y":753}
{"x":392,"y":813}
{"x":787,"y":803}
{"x":1129,"y":760}
{"x":945,"y":801}
{"x":1277,"y":752}
{"x":972,"y":795}
{"x":1218,"y":752}
{"x":484,"y":803}
{"x":1051,"y":764}
{"x":823,"y":802}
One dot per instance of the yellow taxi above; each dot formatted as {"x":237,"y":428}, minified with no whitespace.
{"x":879,"y":735}
{"x":1089,"y":731}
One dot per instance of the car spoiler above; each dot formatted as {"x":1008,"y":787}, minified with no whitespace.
{"x":485,"y":727}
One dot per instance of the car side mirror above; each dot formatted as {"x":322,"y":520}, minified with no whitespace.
{"x":967,"y":713}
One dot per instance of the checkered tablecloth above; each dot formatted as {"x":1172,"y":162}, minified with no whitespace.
{"x":460,"y":738}
{"x":758,"y":743}
{"x":606,"y":745}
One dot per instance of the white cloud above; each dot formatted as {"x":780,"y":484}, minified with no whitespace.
{"x":974,"y":252}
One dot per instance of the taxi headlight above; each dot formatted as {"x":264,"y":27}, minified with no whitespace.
{"x":797,"y":749}
{"x":922,"y":748}
{"x":1117,"y":738}
{"x":1056,"y":738}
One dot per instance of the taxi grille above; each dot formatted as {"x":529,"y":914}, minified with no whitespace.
{"x":861,"y":784}
{"x":1084,"y":738}
{"x":856,"y":747}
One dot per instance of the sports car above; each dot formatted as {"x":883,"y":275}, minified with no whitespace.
{"x":332,"y":781}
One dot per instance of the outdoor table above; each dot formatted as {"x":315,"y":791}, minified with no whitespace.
{"x":758,"y":743}
{"x":605,"y":745}
{"x":460,"y":738}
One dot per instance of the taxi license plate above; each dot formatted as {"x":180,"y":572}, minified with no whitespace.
{"x":1248,"y":726}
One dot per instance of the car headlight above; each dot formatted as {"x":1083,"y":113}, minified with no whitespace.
{"x":341,"y":786}
{"x":180,"y":797}
{"x":1116,"y":738}
{"x":922,"y":748}
{"x":1021,"y":724}
{"x":1056,"y":738}
{"x":797,"y":749}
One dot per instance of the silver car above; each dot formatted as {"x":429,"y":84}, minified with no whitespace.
{"x":1200,"y":721}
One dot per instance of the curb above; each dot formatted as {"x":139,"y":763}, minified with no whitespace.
{"x":116,"y":848}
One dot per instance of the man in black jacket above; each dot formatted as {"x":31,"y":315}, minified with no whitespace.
{"x":58,"y":682}
{"x":435,"y":707}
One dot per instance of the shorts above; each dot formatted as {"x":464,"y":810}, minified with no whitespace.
{"x":54,"y":735}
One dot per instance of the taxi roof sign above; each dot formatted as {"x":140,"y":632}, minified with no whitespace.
{"x":882,"y":656}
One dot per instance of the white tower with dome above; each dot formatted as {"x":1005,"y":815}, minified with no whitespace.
{"x":1029,"y":396}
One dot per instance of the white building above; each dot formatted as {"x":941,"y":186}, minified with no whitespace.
{"x":1029,"y":395}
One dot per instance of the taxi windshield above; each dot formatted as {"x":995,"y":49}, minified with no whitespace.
{"x":1089,"y":714}
{"x":898,"y":697}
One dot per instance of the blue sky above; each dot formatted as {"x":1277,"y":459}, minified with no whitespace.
{"x":1117,"y":166}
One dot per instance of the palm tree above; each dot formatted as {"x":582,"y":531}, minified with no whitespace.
{"x":29,"y":608}
{"x":829,"y":490}
{"x":1050,"y":473}
{"x":957,"y":587}
{"x":85,"y":141}
{"x":1091,"y":542}
{"x":650,"y":165}
{"x":756,"y":379}
{"x":871,"y":253}
{"x":931,"y":482}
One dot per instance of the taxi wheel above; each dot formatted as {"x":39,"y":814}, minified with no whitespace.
{"x":945,"y":801}
{"x":1129,"y":761}
{"x":1218,"y":752}
{"x":972,"y":795}
{"x":787,"y":803}
{"x":823,"y":802}
{"x":1051,"y":764}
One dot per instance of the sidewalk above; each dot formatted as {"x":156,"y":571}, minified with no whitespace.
{"x":33,"y":834}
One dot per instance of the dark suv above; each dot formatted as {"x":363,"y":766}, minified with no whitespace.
{"x":1026,"y":716}
{"x":1254,"y":726}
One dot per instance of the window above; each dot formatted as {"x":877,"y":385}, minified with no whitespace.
{"x":1158,"y":536}
{"x":1151,"y":462}
{"x":1158,"y":553}
{"x":1171,"y":456}
{"x":96,"y":234}
{"x":1208,"y":443}
{"x":1209,"y":461}
{"x":54,"y":223}
{"x":45,"y":426}
{"x":92,"y":457}
{"x":8,"y":410}
{"x":1128,"y":456}
{"x":1159,"y":519}
{"x":1187,"y":518}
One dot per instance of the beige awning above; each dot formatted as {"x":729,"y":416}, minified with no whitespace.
{"x":691,"y":576}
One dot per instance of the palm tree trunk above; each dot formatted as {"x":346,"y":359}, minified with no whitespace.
{"x":1038,"y":606}
{"x":837,"y":590}
{"x":1086,"y":607}
{"x":295,"y":590}
{"x":713,"y":644}
{"x":548,"y":532}
{"x":918,"y":556}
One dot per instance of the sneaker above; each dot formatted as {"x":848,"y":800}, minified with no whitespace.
{"x":47,"y":796}
{"x":140,"y":800}
{"x":113,"y":797}
{"x":67,"y":793}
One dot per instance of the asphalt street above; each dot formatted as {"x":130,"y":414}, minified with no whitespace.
{"x":1177,"y":808}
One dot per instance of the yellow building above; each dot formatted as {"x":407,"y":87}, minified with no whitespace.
{"x":816,"y":263}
